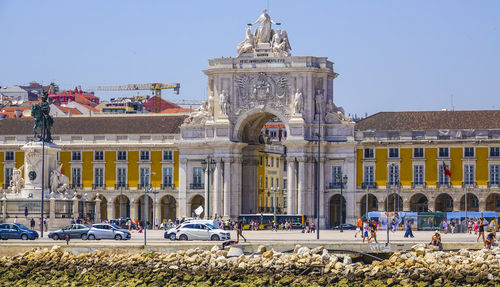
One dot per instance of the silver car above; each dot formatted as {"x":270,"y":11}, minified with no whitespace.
{"x":198,"y":231}
{"x":107,"y":231}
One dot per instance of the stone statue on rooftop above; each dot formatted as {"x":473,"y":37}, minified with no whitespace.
{"x":264,"y":32}
{"x":246,"y":45}
{"x":41,"y":113}
{"x":280,"y":43}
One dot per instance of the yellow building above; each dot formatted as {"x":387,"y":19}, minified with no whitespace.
{"x":113,"y":158}
{"x":271,"y":179}
{"x":407,"y":152}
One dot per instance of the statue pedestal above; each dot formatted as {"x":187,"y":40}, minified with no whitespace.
{"x":33,"y":169}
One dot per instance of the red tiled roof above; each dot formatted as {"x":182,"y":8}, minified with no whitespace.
{"x":150,"y":104}
{"x":431,"y":120}
{"x":176,"y":110}
{"x":68,"y":110}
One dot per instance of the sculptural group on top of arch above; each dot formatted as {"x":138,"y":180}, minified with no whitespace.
{"x":265,"y":37}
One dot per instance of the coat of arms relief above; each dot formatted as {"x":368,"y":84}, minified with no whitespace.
{"x":262,"y":90}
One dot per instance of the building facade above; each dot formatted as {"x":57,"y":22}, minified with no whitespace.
{"x":406,"y":155}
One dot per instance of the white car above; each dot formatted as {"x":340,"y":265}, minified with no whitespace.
{"x":200,"y":231}
{"x":107,"y":231}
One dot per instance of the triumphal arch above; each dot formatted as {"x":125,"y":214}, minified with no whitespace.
{"x":264,"y":81}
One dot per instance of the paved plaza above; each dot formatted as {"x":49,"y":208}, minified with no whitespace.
{"x":331,"y":236}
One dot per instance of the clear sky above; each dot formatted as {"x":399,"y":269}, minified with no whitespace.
{"x":391,"y":55}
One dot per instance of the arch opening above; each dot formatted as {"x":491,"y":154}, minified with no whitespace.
{"x":335,"y":210}
{"x":263,"y":173}
{"x":122,"y":206}
{"x":168,"y":208}
{"x":372,"y":204}
{"x":493,"y":202}
{"x":196,"y":202}
{"x":395,"y":203}
{"x":472,"y":202}
{"x":141,"y":208}
{"x":444,"y":203}
{"x":419,"y":203}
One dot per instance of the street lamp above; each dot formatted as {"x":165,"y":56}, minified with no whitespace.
{"x":208,"y":166}
{"x":389,"y":180}
{"x":274,"y":190}
{"x":147,"y":188}
{"x":343,"y":181}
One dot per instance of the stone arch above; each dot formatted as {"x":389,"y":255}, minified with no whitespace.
{"x":141,"y":207}
{"x":168,"y":208}
{"x":103,"y":207}
{"x":249,"y":124}
{"x":197,"y":201}
{"x":372,"y":204}
{"x":493,"y":202}
{"x":444,"y":203}
{"x":122,"y":206}
{"x":472,"y":202}
{"x":395,"y":202}
{"x":334,"y":207}
{"x":419,"y":202}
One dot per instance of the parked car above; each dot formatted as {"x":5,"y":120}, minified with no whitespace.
{"x":107,"y":231}
{"x":16,"y":231}
{"x":346,"y":226}
{"x":171,"y":233}
{"x":74,"y":230}
{"x":198,"y":231}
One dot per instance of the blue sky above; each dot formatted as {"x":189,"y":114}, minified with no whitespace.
{"x":391,"y":55}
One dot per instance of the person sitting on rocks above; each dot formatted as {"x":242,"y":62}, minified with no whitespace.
{"x":436,"y":239}
{"x":490,"y":240}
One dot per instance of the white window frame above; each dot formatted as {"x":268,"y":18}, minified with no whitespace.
{"x":165,"y":175}
{"x":372,"y":153}
{"x":144,"y":152}
{"x":473,"y":152}
{"x":469,"y":175}
{"x":118,"y":155}
{"x":144,"y":176}
{"x":103,"y":179}
{"x":494,"y":178}
{"x":165,"y":152}
{"x":393,"y":149}
{"x":118,"y":175}
{"x":419,"y":178}
{"x":439,"y":152}
{"x":365,"y":174}
{"x":95,"y":155}
{"x":75,"y":176}
{"x":73,"y":153}
{"x":13,"y":155}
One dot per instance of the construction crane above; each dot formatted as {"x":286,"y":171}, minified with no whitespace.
{"x":155,"y":87}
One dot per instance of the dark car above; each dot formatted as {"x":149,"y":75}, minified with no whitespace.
{"x":345,"y":226}
{"x":74,"y":231}
{"x":16,"y":231}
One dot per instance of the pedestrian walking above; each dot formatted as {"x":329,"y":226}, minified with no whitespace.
{"x":373,"y":231}
{"x":239,"y":230}
{"x":26,"y":212}
{"x":32,"y":223}
{"x":16,"y":220}
{"x":46,"y":223}
{"x":452,"y":226}
{"x":482,"y":225}
{"x":408,"y":229}
{"x":445,"y":226}
{"x":365,"y":230}
{"x":67,"y":237}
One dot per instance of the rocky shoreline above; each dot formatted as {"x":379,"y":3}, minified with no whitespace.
{"x":196,"y":267}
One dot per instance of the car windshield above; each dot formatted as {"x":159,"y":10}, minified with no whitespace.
{"x":22,"y":226}
{"x":115,"y":226}
{"x":210,"y":225}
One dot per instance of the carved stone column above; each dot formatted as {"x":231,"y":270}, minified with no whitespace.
{"x":182,"y":195}
{"x":301,"y":186}
{"x":207,"y":212}
{"x":236,"y":187}
{"x":291,"y":186}
{"x":157,"y":212}
{"x":322,"y":214}
{"x":97,"y":209}
{"x":52,"y":210}
{"x":111,"y":210}
{"x":75,"y":207}
{"x":227,"y":188}
{"x":134,"y":210}
{"x":217,"y":188}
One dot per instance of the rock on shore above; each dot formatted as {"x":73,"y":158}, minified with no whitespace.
{"x":304,"y":267}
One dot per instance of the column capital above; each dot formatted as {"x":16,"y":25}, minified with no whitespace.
{"x":183,"y":160}
{"x":290,"y":159}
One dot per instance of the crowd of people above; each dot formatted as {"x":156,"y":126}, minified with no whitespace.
{"x":486,"y":231}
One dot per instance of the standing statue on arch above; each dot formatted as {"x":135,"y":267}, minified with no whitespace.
{"x":264,"y":33}
{"x":41,"y":113}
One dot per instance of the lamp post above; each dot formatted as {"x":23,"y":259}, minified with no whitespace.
{"x":121,"y":197}
{"x":208,"y":166}
{"x":43,"y":174}
{"x":147,"y":188}
{"x":342,"y":180}
{"x":366,"y":207}
{"x":389,"y":180}
{"x":465,"y":186}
